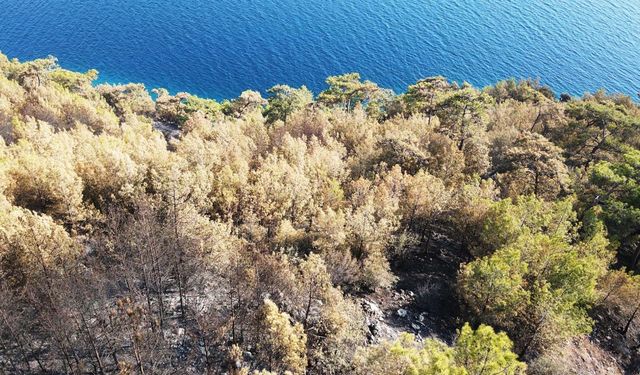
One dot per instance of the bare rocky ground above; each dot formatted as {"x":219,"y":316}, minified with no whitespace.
{"x":424,"y":302}
{"x":583,"y":356}
{"x":607,"y":335}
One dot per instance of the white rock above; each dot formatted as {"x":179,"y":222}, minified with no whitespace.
{"x":402,"y":313}
{"x":372,"y":308}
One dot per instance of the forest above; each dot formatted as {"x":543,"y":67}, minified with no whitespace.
{"x":444,"y":230}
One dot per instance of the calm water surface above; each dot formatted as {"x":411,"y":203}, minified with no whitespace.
{"x":218,"y":48}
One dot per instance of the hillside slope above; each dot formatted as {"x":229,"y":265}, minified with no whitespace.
{"x":446,"y":229}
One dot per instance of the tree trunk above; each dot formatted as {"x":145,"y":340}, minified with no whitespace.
{"x":631,"y":319}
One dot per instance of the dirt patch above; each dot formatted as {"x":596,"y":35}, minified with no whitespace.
{"x":580,"y":356}
{"x":607,"y":333}
{"x":424,"y":301}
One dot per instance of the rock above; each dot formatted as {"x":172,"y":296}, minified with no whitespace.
{"x":371,"y":308}
{"x":402,"y":313}
{"x":415,"y":326}
{"x":169,"y":131}
{"x":373,"y":329}
{"x":421,"y":317}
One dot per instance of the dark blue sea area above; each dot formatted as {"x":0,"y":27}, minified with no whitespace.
{"x":218,"y":48}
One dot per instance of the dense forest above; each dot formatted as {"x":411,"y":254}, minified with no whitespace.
{"x":444,"y":230}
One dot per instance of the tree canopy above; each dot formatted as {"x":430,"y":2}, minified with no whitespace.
{"x":355,"y":231}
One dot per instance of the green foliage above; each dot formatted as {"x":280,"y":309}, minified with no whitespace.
{"x":485,"y":351}
{"x":532,"y":165}
{"x":248,"y":102}
{"x":474,"y":352}
{"x":462,"y":114}
{"x":181,"y":107}
{"x":424,"y":96}
{"x":347,"y":90}
{"x":40,"y":175}
{"x":538,"y":285}
{"x":208,"y":107}
{"x":75,"y":82}
{"x":614,"y":188}
{"x":495,"y":286}
{"x":285,"y":100}
{"x":32,"y":246}
{"x":33,"y":74}
{"x":506,"y":220}
{"x":406,"y":356}
{"x":523,"y":91}
{"x":283,"y":345}
{"x":600,"y":128}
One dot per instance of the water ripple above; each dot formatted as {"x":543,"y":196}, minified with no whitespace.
{"x":218,"y":48}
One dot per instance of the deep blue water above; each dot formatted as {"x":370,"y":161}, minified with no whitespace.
{"x":218,"y":48}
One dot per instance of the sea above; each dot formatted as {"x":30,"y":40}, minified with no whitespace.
{"x":219,"y":48}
